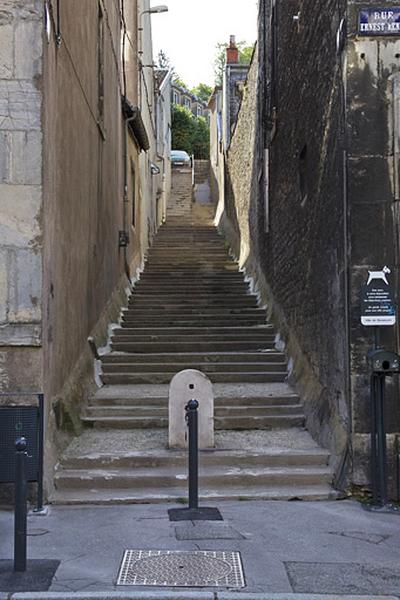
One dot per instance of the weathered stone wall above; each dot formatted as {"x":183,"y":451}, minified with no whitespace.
{"x":292,"y":240}
{"x":373,"y":76}
{"x":331,"y":127}
{"x":21,"y":224}
{"x":84,"y":205}
{"x":241,"y":183}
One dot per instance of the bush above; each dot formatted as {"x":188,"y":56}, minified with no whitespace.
{"x":190,"y":133}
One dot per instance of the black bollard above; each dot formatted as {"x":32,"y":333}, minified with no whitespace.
{"x":193,"y":512}
{"x":192,"y":419}
{"x":20,"y":506}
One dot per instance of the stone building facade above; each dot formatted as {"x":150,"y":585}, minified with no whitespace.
{"x":80,"y":180}
{"x":309,"y":203}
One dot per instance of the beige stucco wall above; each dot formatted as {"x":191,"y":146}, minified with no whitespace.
{"x":63,"y":203}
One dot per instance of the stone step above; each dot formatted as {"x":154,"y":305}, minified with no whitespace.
{"x":260,"y":330}
{"x":163,"y":277}
{"x":167,"y":322}
{"x":219,"y":411}
{"x":165,"y":377}
{"x":215,"y":458}
{"x":127,"y":335}
{"x":236,"y":423}
{"x":209,"y":477}
{"x":208,"y":368}
{"x":202,"y":267}
{"x":209,"y":251}
{"x":179,"y":494}
{"x":201,"y":311}
{"x":191,"y":261}
{"x":180,"y":287}
{"x":189,"y":346}
{"x":240,"y":305}
{"x":195,"y":275}
{"x":112,"y":398}
{"x":192,"y":357}
{"x":208,"y":245}
{"x":195,"y":300}
{"x":220,"y":404}
{"x":214,"y":317}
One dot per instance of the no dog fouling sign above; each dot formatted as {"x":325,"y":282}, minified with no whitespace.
{"x":377,"y":300}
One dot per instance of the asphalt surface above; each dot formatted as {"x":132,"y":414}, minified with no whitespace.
{"x":289,"y":550}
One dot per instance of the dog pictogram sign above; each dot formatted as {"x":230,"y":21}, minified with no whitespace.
{"x":377,"y":300}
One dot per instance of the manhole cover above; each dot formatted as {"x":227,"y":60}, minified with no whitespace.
{"x":181,"y":569}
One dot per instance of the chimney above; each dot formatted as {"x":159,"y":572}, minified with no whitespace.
{"x":232,"y":52}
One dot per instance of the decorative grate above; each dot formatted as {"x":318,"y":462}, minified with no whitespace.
{"x":164,"y":568}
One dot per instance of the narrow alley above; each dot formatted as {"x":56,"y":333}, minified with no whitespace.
{"x":192,"y":309}
{"x":199,"y":297}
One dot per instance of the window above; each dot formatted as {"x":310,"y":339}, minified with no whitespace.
{"x":199,"y":111}
{"x":176,"y":98}
{"x":186,"y":103}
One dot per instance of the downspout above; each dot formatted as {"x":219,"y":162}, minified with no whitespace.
{"x":125,"y":201}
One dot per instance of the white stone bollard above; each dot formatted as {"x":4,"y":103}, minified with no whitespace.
{"x":187,"y":385}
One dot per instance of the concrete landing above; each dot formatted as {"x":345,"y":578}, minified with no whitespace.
{"x":223,"y":390}
{"x":116,"y":441}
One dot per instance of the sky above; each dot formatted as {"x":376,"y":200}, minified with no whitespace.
{"x":189,"y":31}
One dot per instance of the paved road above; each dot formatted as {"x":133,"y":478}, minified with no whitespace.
{"x":311,"y":548}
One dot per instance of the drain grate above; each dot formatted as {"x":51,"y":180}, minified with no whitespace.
{"x":181,"y":569}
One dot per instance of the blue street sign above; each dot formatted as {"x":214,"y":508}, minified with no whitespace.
{"x":379,"y":21}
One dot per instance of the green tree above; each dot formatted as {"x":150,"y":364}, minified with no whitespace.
{"x":245,"y":54}
{"x":201,"y":139}
{"x":202,"y":91}
{"x":190,"y":133}
{"x":178,"y":81}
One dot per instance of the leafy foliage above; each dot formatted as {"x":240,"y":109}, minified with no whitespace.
{"x":190,"y":133}
{"x":178,"y":81}
{"x":245,"y":54}
{"x":202,"y":91}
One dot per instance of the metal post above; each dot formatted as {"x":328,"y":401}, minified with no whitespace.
{"x":192,"y":418}
{"x":39,"y":506}
{"x":381,"y":440}
{"x":20,"y":505}
{"x":374,"y":464}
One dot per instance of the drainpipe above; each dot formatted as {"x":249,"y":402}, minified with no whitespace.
{"x":125,"y":200}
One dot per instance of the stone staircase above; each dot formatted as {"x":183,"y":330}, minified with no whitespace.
{"x":193,"y":309}
{"x":180,"y":204}
{"x":201,"y":171}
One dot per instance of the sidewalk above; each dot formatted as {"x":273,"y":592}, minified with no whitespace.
{"x":287,"y":548}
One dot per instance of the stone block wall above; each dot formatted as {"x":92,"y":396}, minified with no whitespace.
{"x":21,"y":226}
{"x":373,"y":76}
{"x":291,"y":239}
{"x":325,"y":210}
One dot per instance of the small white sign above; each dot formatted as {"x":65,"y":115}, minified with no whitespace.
{"x":377,"y":300}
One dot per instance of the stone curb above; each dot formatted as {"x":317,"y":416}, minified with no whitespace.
{"x":182,"y":595}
